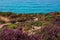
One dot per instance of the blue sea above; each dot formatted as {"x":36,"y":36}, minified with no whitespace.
{"x":30,"y":6}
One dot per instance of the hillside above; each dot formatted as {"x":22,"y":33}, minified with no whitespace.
{"x":28,"y":25}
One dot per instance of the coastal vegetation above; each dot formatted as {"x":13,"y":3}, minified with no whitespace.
{"x":33,"y":26}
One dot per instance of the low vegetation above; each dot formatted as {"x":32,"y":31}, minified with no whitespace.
{"x":30,"y":26}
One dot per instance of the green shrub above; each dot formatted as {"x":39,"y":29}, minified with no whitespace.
{"x":12,"y":26}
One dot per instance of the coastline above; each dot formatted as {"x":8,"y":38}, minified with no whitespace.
{"x":34,"y":24}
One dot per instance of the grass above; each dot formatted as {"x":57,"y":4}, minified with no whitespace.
{"x":12,"y":26}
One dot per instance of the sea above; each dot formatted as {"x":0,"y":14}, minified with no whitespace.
{"x":30,"y":6}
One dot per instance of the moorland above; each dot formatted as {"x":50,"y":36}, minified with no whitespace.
{"x":33,"y":26}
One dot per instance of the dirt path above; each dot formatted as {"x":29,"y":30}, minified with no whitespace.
{"x":2,"y":25}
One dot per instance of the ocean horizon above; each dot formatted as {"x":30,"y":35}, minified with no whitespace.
{"x":30,"y":6}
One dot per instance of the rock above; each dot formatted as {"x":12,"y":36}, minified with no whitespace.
{"x":35,"y":19}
